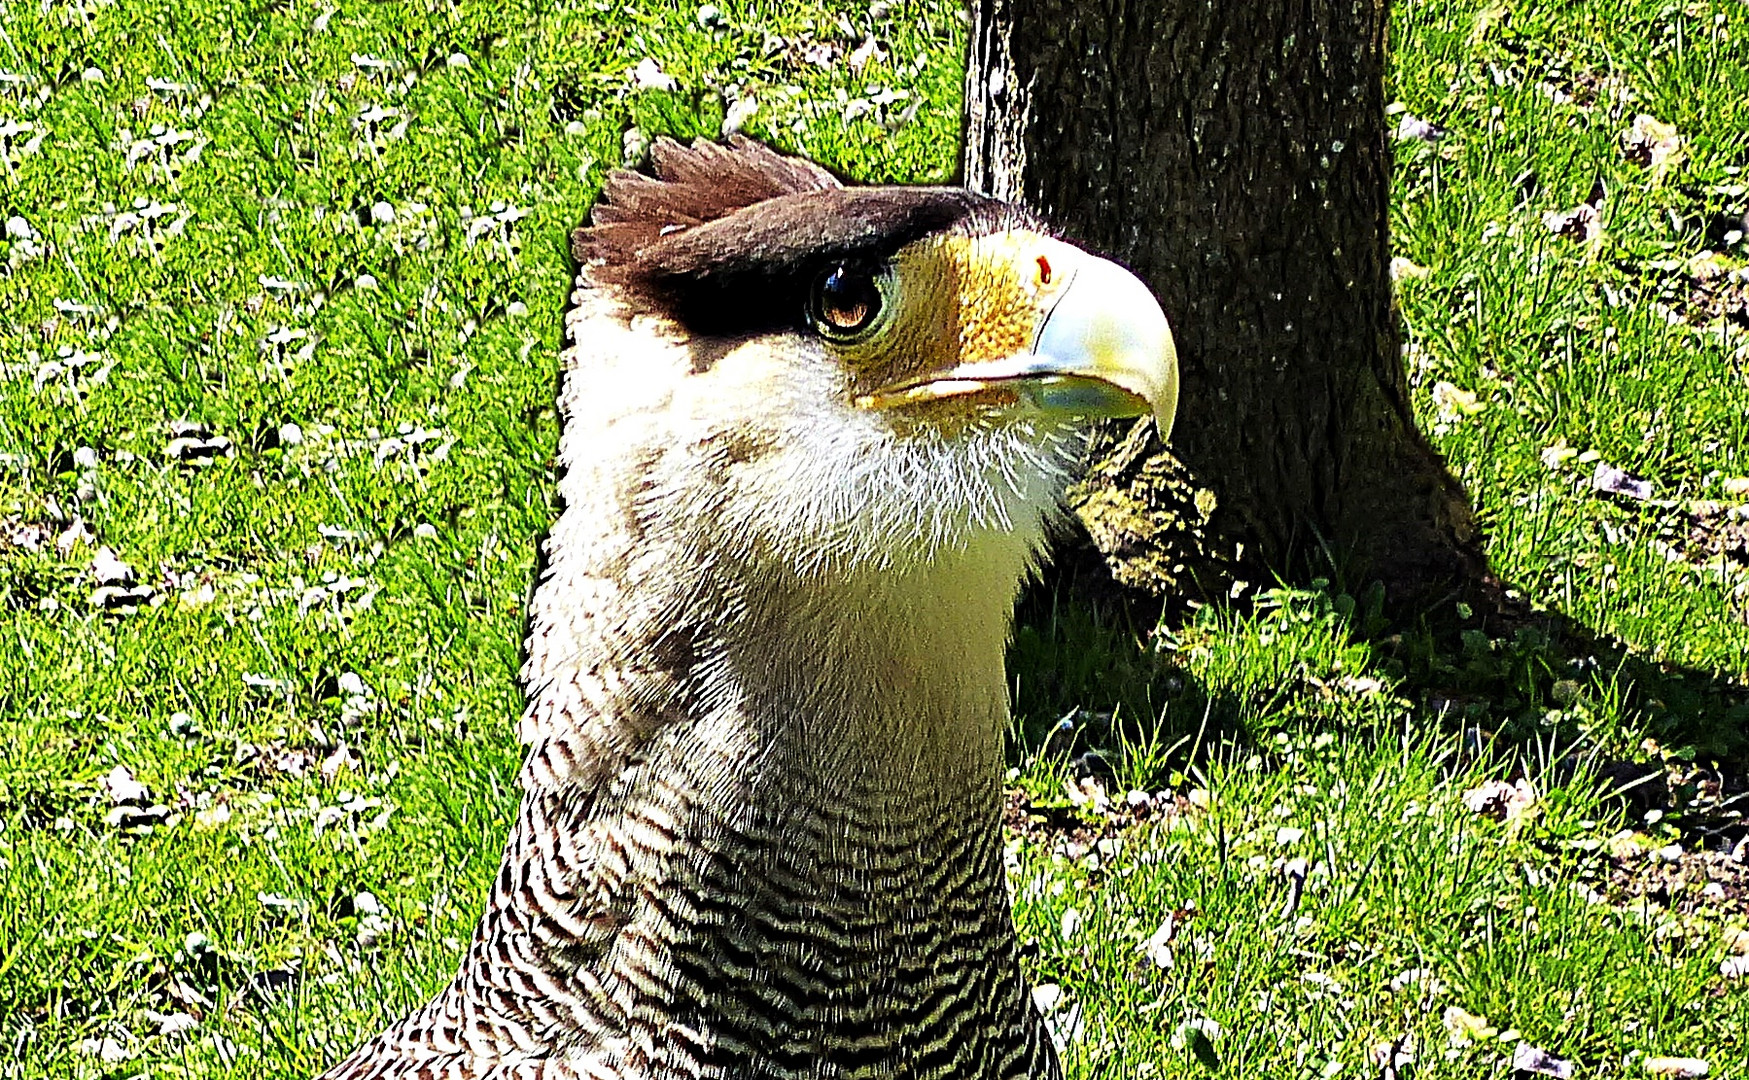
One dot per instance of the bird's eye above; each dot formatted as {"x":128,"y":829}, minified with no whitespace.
{"x":846,"y":302}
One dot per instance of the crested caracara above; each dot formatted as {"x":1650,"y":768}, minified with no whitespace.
{"x":812,"y":435}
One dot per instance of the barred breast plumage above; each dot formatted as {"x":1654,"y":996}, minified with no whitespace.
{"x":759,"y":835}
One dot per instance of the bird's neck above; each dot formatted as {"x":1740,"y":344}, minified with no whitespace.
{"x":891,"y":679}
{"x":767,"y":818}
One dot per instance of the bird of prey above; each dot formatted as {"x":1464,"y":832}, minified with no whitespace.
{"x":812,"y":437}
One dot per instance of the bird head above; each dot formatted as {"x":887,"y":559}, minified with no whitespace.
{"x":856,"y":376}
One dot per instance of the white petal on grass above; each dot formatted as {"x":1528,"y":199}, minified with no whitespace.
{"x":1455,"y":403}
{"x":266,"y":684}
{"x":1403,"y":269}
{"x":739,"y":112}
{"x":1208,"y":1027}
{"x":1158,"y":947}
{"x":1464,"y":1027}
{"x":1539,"y":1062}
{"x":119,"y":786}
{"x":1072,"y":923}
{"x":108,"y":1050}
{"x":1501,"y":801}
{"x":1580,"y":224}
{"x":1676,"y":1066}
{"x":1557,"y":456}
{"x":176,"y":1023}
{"x":1613,"y":481}
{"x":634,"y":146}
{"x":1413,"y":128}
{"x":869,"y":50}
{"x":1067,"y":1027}
{"x":1651,"y":143}
{"x":1392,"y":1057}
{"x":110,"y":570}
{"x":1420,"y":980}
{"x":648,"y":75}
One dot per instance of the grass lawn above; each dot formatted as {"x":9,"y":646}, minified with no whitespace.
{"x":283,"y":286}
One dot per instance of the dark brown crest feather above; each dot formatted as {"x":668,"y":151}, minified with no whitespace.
{"x":729,"y":238}
{"x":692,"y":185}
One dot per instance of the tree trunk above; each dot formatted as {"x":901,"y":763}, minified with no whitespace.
{"x":1234,"y":154}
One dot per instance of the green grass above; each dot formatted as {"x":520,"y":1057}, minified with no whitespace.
{"x":1574,"y":344}
{"x":195,"y":244}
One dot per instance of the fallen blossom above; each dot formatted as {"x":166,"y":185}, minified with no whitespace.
{"x":1539,"y":1062}
{"x":1421,"y":980}
{"x":1158,"y":947}
{"x":1455,"y":403}
{"x":176,"y":1023}
{"x":1556,"y":457}
{"x":648,"y":75}
{"x":1465,"y":1027}
{"x":108,"y":569}
{"x":869,"y":50}
{"x":1613,"y":481}
{"x":107,"y":1050}
{"x":1412,"y":127}
{"x":119,"y":786}
{"x":1072,"y":923}
{"x":1651,"y":143}
{"x":1580,"y":224}
{"x":1501,"y":801}
{"x":1676,"y":1066}
{"x":738,"y":113}
{"x":1392,"y":1057}
{"x":1403,"y":269}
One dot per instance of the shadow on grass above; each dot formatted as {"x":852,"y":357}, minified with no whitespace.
{"x":1477,"y":662}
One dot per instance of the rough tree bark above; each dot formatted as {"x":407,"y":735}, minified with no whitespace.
{"x":1234,"y":154}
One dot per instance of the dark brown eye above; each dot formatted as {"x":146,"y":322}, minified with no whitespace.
{"x":846,"y":302}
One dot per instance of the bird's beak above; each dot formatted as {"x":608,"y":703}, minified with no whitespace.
{"x":1103,"y":350}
